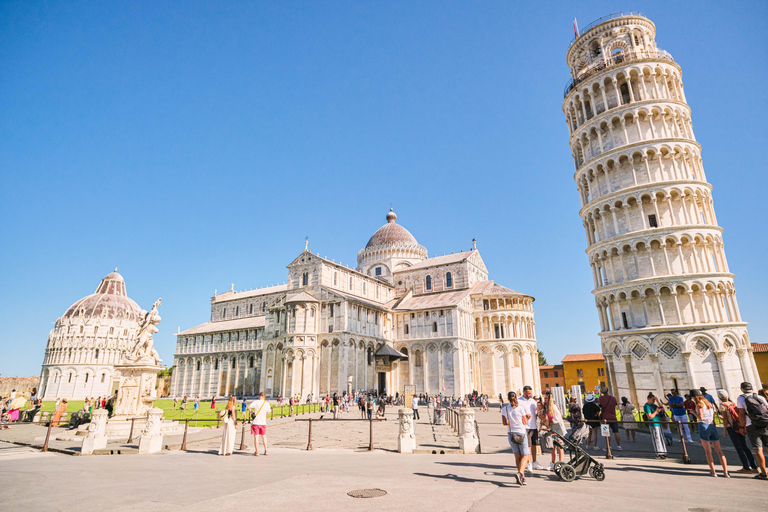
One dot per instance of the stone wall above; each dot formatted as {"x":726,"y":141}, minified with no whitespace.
{"x":22,"y":385}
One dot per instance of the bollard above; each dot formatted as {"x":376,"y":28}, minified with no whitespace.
{"x":370,"y":445}
{"x":242,"y":437}
{"x":309,"y":440}
{"x":184,"y":439}
{"x":130,"y":434}
{"x":47,"y":436}
{"x":686,"y":458}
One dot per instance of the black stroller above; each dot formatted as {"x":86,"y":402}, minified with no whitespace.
{"x":580,"y":462}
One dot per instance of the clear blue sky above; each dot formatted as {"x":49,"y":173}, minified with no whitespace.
{"x":196,"y":144}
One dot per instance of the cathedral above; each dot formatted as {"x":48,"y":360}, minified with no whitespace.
{"x":399,"y":319}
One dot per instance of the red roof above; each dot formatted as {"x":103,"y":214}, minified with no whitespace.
{"x":760,"y":347}
{"x":571,"y":358}
{"x":551,"y":367}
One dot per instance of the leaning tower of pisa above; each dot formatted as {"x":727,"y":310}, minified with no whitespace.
{"x":664,"y":294}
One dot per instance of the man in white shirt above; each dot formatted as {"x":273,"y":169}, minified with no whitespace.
{"x":415,"y":407}
{"x":758,"y":434}
{"x":530,"y":403}
{"x":259,"y":425}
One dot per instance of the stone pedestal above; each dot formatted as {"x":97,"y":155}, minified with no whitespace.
{"x":468,"y":442}
{"x":151,"y":440}
{"x":439,"y":415}
{"x":96,"y":439}
{"x":135,"y":395}
{"x":406,"y":439}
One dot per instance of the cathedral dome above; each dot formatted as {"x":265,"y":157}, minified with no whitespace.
{"x":391,"y":233}
{"x":109,"y":301}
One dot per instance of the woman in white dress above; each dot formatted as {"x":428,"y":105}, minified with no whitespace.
{"x":229,"y":417}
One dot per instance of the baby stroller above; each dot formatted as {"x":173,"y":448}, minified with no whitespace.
{"x":580,"y":462}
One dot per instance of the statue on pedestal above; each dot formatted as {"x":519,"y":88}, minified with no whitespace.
{"x":143,"y":351}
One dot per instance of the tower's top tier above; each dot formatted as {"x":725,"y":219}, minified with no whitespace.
{"x":612,"y":39}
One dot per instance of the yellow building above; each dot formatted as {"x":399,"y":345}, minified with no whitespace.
{"x":585,"y":370}
{"x":761,"y":360}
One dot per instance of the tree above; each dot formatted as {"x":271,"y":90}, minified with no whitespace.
{"x":542,"y":359}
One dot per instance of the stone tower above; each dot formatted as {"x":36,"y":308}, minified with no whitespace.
{"x":664,"y":294}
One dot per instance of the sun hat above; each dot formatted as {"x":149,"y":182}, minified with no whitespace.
{"x":722,"y":395}
{"x":590,"y":397}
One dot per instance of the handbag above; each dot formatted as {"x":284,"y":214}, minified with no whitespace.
{"x":517,"y":438}
{"x":546,"y":440}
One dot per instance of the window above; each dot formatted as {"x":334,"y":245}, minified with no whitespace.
{"x":81,"y":329}
{"x":378,"y":271}
{"x":216,"y":365}
{"x":601,"y":372}
{"x":224,"y":314}
{"x":103,"y":377}
{"x":330,"y":307}
{"x":250,"y":312}
{"x":263,"y":306}
{"x":434,"y":326}
{"x":555,"y":373}
{"x":70,"y":378}
{"x":547,"y":384}
{"x":417,"y":358}
{"x":305,"y":279}
{"x":413,"y":315}
{"x":237,"y":311}
{"x":546,"y":375}
{"x":198,"y":365}
{"x":497,"y":332}
{"x":448,"y":280}
{"x":96,"y":354}
{"x":580,"y":373}
{"x":624,"y":93}
{"x":557,"y":384}
{"x":624,"y":320}
{"x":405,"y":328}
{"x":429,"y":282}
{"x":95,"y":329}
{"x":250,"y":362}
{"x":441,"y":312}
{"x":111,"y":330}
{"x":652,"y":221}
{"x":234,"y":363}
{"x":370,"y":355}
{"x":486,"y":305}
{"x":86,"y":378}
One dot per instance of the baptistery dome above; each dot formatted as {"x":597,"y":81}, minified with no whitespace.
{"x":391,"y":248}
{"x":108,"y":301}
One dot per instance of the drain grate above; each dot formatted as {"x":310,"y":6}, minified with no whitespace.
{"x":367,"y":493}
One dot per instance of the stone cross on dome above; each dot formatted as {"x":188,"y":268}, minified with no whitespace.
{"x":306,"y":243}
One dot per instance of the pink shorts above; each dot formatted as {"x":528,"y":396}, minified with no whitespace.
{"x":259,"y":430}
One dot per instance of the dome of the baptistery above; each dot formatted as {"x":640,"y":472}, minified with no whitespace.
{"x":109,"y":301}
{"x":391,"y":233}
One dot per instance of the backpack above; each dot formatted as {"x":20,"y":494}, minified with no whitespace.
{"x":756,"y":410}
{"x":733,"y":414}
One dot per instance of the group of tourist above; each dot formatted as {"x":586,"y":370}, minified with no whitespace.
{"x":531,"y":420}
{"x":259,"y":408}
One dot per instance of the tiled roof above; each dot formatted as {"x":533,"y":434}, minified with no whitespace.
{"x":301,"y":297}
{"x":253,"y":322}
{"x":571,"y":358}
{"x":491,"y":288}
{"x":438,"y":260}
{"x":223,"y":297}
{"x":432,"y":300}
{"x":760,"y":347}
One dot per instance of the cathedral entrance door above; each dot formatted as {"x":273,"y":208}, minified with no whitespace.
{"x":382,"y":383}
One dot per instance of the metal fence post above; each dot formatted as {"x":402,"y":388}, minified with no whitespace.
{"x":47,"y":436}
{"x":184,"y":439}
{"x":309,"y":440}
{"x":608,"y":455}
{"x":370,"y":445}
{"x":130,"y":434}
{"x":686,"y":458}
{"x":242,"y":437}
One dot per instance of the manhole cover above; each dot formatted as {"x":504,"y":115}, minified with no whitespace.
{"x":367,"y":493}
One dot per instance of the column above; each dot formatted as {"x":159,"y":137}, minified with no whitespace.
{"x":689,"y":370}
{"x":724,"y":378}
{"x":661,"y":310}
{"x":630,"y":378}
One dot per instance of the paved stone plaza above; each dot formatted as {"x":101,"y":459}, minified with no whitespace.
{"x":291,"y":478}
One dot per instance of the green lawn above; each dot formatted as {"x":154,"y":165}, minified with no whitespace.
{"x":203,"y":413}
